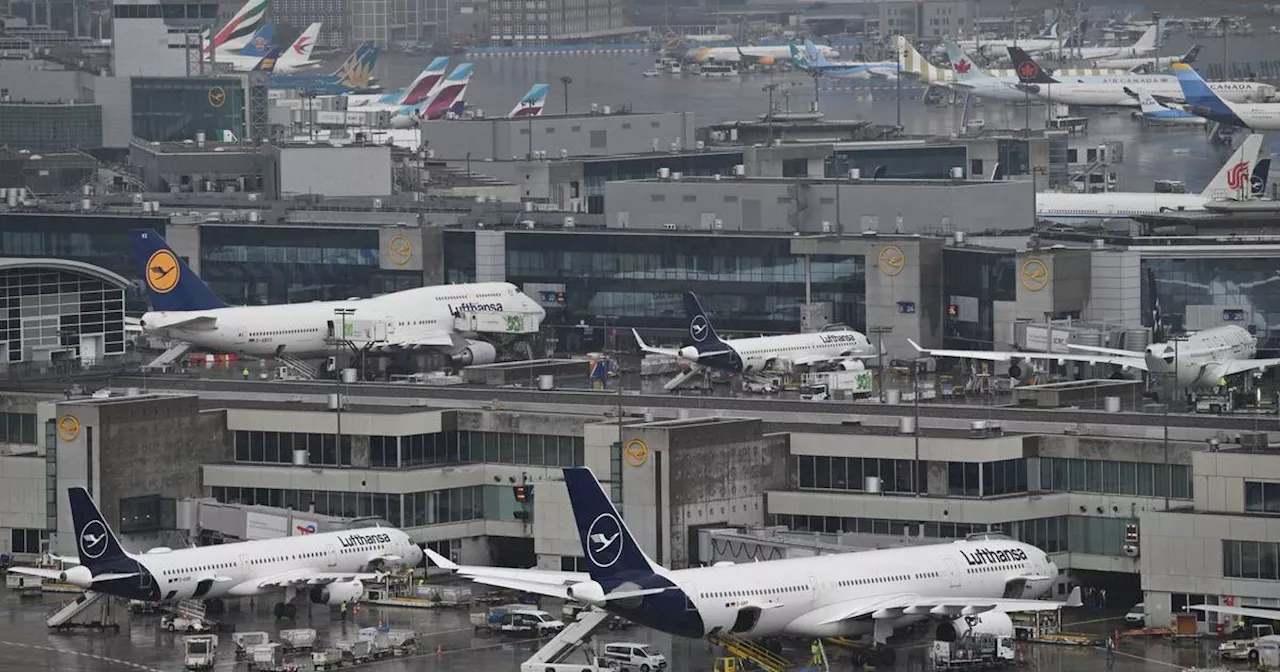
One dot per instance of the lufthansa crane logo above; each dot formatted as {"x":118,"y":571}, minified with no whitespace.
{"x":68,"y":427}
{"x":93,"y":539}
{"x":162,"y":272}
{"x":604,"y":541}
{"x":637,"y":453}
{"x":892,"y":260}
{"x":399,"y":250}
{"x":698,"y":328}
{"x":1034,"y":274}
{"x":217,"y":96}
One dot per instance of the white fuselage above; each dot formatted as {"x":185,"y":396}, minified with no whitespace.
{"x":992,"y":88}
{"x":777,"y":53}
{"x":1113,"y":93}
{"x":1130,"y":63}
{"x":310,"y":329}
{"x":1113,"y":205}
{"x":237,"y":62}
{"x":1031,"y":46}
{"x":1259,"y":116}
{"x":236,"y":570}
{"x":1198,"y":358}
{"x":799,"y":596}
{"x":824,"y":347}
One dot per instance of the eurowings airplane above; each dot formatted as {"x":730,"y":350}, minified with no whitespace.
{"x":449,"y":98}
{"x":1162,"y":64}
{"x":184,"y":308}
{"x":297,"y":57}
{"x":532,"y":104}
{"x":238,"y":32}
{"x":329,"y":568}
{"x":354,"y":75}
{"x":1153,"y":110}
{"x":839,"y":347}
{"x":1234,"y":181}
{"x":251,"y":56}
{"x":839,"y":595}
{"x":1205,"y":102}
{"x":423,"y":86}
{"x":813,"y":61}
{"x":1117,"y":91}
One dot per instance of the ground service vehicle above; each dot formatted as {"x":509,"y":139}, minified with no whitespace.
{"x":199,"y":651}
{"x":633,"y":656}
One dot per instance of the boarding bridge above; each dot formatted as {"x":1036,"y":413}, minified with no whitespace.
{"x":169,"y":357}
{"x":504,"y":322}
{"x":65,"y":616}
{"x":572,"y":638}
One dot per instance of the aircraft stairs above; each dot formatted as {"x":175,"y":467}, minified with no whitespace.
{"x":167,"y":358}
{"x":66,"y":616}
{"x":298,"y":366}
{"x":573,"y":637}
{"x":192,"y":609}
{"x":746,"y":651}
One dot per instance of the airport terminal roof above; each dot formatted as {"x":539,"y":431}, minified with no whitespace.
{"x":68,"y":265}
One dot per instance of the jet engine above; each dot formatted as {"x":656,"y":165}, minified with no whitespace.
{"x":337,"y":592}
{"x":995,"y":623}
{"x":404,"y":121}
{"x":853,"y":365}
{"x":588,"y":592}
{"x":1022,"y":371}
{"x":79,"y":576}
{"x":476,"y":352}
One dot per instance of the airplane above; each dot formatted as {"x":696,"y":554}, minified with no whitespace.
{"x":1115,"y":91}
{"x":1202,"y":100}
{"x":238,"y":32}
{"x":297,"y":58}
{"x":424,"y":85}
{"x":765,"y":55}
{"x":251,"y":56}
{"x":812,"y":61}
{"x":837,"y":595}
{"x":1154,"y":111}
{"x":447,"y":99}
{"x":915,"y":65}
{"x":839,"y":347}
{"x":1233,"y":182}
{"x":328,"y":567}
{"x":1202,"y":360}
{"x":355,"y":74}
{"x":532,"y":104}
{"x":184,"y":308}
{"x":1162,"y":64}
{"x":971,"y":80}
{"x":1048,"y":39}
{"x":1141,"y":47}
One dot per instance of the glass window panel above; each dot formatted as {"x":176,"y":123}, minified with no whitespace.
{"x":806,"y":474}
{"x":1078,"y":480}
{"x":1252,"y":495}
{"x":1093,"y":481}
{"x":1110,"y":476}
{"x":1249,"y":557}
{"x":822,"y":466}
{"x":839,"y":473}
{"x":1271,"y":497}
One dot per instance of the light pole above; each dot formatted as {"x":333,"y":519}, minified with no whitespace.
{"x":898,"y":85}
{"x":1226,"y":60}
{"x":915,"y":465}
{"x":1155,"y":16}
{"x":565,"y":81}
{"x":770,"y":88}
{"x":879,"y":332}
{"x":339,"y":371}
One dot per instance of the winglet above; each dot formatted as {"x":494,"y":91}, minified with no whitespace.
{"x":439,"y":560}
{"x":639,"y":341}
{"x":915,"y":345}
{"x":1073,"y":600}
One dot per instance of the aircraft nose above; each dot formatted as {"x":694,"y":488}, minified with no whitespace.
{"x":689,"y":352}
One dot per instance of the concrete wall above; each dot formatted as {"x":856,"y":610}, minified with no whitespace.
{"x":582,"y":135}
{"x":141,"y":48}
{"x":41,"y":81}
{"x":115,"y":95}
{"x":22,"y":496}
{"x":1115,"y":292}
{"x":335,"y":171}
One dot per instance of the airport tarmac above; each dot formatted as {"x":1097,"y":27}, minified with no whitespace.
{"x":27,"y":646}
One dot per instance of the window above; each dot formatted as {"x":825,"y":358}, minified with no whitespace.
{"x":17,"y":428}
{"x":1143,"y":479}
{"x":821,"y":472}
{"x":27,"y":541}
{"x":1251,"y":560}
{"x":1261,"y":497}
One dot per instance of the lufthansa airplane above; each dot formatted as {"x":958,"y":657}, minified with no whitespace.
{"x":329,"y":568}
{"x":839,"y":595}
{"x":184,"y":308}
{"x":838,"y":346}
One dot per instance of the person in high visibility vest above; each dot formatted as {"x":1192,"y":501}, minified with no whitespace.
{"x":816,"y":650}
{"x":343,"y":609}
{"x":245,"y":372}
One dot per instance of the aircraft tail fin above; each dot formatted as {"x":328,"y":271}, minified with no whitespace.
{"x":240,"y":29}
{"x":1261,"y":177}
{"x":96,"y":543}
{"x":797,"y":57}
{"x":962,"y":63}
{"x":1197,"y":93}
{"x":360,"y":75}
{"x":1153,"y":292}
{"x":170,"y":284}
{"x":353,"y":59}
{"x":1233,"y":180}
{"x":997,"y":173}
{"x":1147,"y":42}
{"x":260,"y":43}
{"x":1029,"y":71}
{"x":533,"y":102}
{"x":1192,"y":53}
{"x":269,"y":60}
{"x":700,"y":330}
{"x":1050,"y":33}
{"x":912,"y":63}
{"x":298,"y":53}
{"x":426,"y":83}
{"x":814,"y":54}
{"x":612,"y":553}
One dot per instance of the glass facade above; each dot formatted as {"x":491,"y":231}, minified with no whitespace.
{"x":173,"y":109}
{"x":972,"y":281}
{"x":56,"y":311}
{"x":963,"y":479}
{"x":327,"y":502}
{"x":278,"y":447}
{"x":932,"y":162}
{"x":1249,"y":284}
{"x":1143,"y":479}
{"x":50,"y":126}
{"x":18,"y":428}
{"x":455,"y":447}
{"x":417,"y":509}
{"x":747,"y":284}
{"x":266,"y":265}
{"x":27,"y":541}
{"x":839,"y":524}
{"x":1251,"y":560}
{"x":596,"y":173}
{"x":1261,"y":497}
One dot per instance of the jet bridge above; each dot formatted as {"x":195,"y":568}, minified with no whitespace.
{"x":497,"y":322}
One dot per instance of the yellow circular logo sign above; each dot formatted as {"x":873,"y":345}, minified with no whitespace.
{"x":892,"y":260}
{"x":163,"y":272}
{"x":217,"y":96}
{"x":68,"y":427}
{"x":399,"y":250}
{"x":1034,"y":274}
{"x":637,"y":453}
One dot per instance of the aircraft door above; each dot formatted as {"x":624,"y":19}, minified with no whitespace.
{"x":953,"y":572}
{"x":241,"y":336}
{"x":331,"y":555}
{"x":689,"y":591}
{"x":242,"y":566}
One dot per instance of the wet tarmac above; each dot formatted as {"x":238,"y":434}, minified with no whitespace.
{"x":26,"y":645}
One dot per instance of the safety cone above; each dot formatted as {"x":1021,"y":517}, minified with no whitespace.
{"x":439,"y":650}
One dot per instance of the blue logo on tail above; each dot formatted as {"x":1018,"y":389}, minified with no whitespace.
{"x":170,"y":283}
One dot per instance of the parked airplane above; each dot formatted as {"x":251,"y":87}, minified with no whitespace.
{"x":914,"y":64}
{"x":971,"y":80}
{"x":297,"y":58}
{"x":838,"y":595}
{"x":1205,"y":102}
{"x":354,"y":75}
{"x":1154,"y":111}
{"x":533,"y":102}
{"x":1149,"y":64}
{"x":765,"y":55}
{"x":811,"y":60}
{"x":238,"y":32}
{"x":329,"y":567}
{"x":448,"y":98}
{"x":840,"y":347}
{"x":251,"y":56}
{"x":1141,"y":47}
{"x":184,"y":308}
{"x":424,"y":85}
{"x":1045,"y":41}
{"x":1116,"y":91}
{"x":1233,"y":182}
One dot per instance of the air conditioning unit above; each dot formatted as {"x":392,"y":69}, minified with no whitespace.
{"x":664,"y":173}
{"x":739,"y":170}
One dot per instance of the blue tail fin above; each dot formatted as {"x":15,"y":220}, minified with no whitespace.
{"x":95,"y":542}
{"x":612,"y":554}
{"x":700,"y":329}
{"x":171,"y":285}
{"x":1261,"y":176}
{"x":260,"y":43}
{"x":1198,"y":94}
{"x":268,"y":62}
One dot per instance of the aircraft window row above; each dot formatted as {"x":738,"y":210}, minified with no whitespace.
{"x":872,"y":580}
{"x":283,"y":332}
{"x":179,"y":571}
{"x":782,"y":590}
{"x":415,"y":323}
{"x":997,"y":567}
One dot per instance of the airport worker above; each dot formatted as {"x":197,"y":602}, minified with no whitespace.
{"x":816,"y":651}
{"x":245,"y":372}
{"x":343,"y":608}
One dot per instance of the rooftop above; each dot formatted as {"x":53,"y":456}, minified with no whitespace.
{"x":792,"y":181}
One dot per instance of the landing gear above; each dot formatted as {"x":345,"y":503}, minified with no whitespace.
{"x":283,"y":610}
{"x":876,"y":656}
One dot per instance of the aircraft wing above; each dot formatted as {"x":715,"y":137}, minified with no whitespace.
{"x":652,"y":350}
{"x":56,"y":574}
{"x":1241,"y":365}
{"x":1005,"y":356}
{"x":894,"y":606}
{"x":1250,"y":612}
{"x":440,"y":340}
{"x":307,"y":577}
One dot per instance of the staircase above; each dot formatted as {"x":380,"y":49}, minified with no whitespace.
{"x":70,"y":610}
{"x":681,"y":378}
{"x":301,"y":368}
{"x":747,"y":650}
{"x":570,"y":639}
{"x":192,"y":609}
{"x":168,"y":357}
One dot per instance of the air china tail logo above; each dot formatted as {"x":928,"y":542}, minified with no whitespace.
{"x":986,"y":556}
{"x":1237,"y":175}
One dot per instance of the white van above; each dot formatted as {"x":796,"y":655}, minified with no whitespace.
{"x":1137,"y":615}
{"x":632,"y":656}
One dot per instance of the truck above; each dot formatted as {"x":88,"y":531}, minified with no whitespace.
{"x":976,"y":652}
{"x":824,"y":385}
{"x":244,"y":641}
{"x":327,"y":659}
{"x":200,"y":652}
{"x":295,"y":640}
{"x":517,"y":619}
{"x":380,"y":645}
{"x":596,"y":664}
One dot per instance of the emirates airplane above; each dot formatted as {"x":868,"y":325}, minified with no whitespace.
{"x":329,"y":568}
{"x":841,"y":595}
